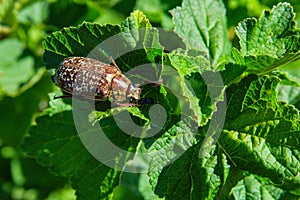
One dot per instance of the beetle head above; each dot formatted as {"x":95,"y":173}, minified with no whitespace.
{"x":134,"y":92}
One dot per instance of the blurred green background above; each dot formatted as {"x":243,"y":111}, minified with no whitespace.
{"x":25,"y":85}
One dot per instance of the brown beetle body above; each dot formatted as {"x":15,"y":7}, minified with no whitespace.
{"x":88,"y":77}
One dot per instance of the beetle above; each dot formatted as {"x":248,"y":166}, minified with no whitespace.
{"x":89,"y":77}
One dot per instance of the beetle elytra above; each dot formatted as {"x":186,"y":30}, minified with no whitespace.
{"x":88,"y":77}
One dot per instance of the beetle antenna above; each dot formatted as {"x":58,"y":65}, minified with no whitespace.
{"x":114,"y":63}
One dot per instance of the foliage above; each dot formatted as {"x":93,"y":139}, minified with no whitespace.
{"x":228,"y":125}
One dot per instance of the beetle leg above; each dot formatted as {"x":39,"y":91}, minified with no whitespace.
{"x":153,"y":83}
{"x":145,"y":101}
{"x":125,"y":104}
{"x":63,"y":97}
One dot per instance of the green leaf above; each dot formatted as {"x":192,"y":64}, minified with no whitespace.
{"x":188,"y":62}
{"x":194,"y":175}
{"x":152,"y":9}
{"x":168,"y":147}
{"x":17,"y":111}
{"x":7,"y":16}
{"x":134,"y":111}
{"x":55,"y":143}
{"x":139,"y":35}
{"x":292,"y":69}
{"x":32,"y":173}
{"x":206,"y":87}
{"x":209,"y":89}
{"x":15,"y":69}
{"x":270,"y":34}
{"x":145,"y":187}
{"x":177,"y":179}
{"x":269,"y":42}
{"x":134,"y":186}
{"x":34,"y":13}
{"x":261,"y":134}
{"x":136,"y":20}
{"x":158,"y":11}
{"x":286,"y":78}
{"x":289,"y":89}
{"x":289,"y":94}
{"x":232,"y":73}
{"x":139,"y":32}
{"x":75,"y":41}
{"x":66,"y":13}
{"x":206,"y":29}
{"x":252,"y":187}
{"x":10,"y":55}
